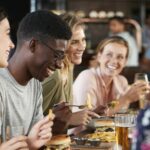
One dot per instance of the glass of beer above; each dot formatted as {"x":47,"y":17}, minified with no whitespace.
{"x":122,"y":123}
{"x":17,"y":131}
{"x":140,"y":77}
{"x":13,"y":131}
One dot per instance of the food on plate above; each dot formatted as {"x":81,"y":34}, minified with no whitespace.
{"x":105,"y":129}
{"x":99,"y":123}
{"x":59,"y":142}
{"x":103,"y":136}
{"x":113,"y":104}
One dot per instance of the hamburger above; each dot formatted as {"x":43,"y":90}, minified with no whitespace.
{"x":103,"y":123}
{"x":59,"y":142}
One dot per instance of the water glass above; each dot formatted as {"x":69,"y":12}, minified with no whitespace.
{"x":16,"y":131}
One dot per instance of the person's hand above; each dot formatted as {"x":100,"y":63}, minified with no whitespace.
{"x":62,"y":115}
{"x":40,"y":134}
{"x":82,"y":117}
{"x":100,"y":109}
{"x":16,"y":143}
{"x":62,"y":112}
{"x":136,"y":90}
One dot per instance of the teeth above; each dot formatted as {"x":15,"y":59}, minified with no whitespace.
{"x":78,"y":54}
{"x":112,"y":67}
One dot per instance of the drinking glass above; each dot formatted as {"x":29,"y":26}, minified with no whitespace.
{"x":123,"y":122}
{"x":140,"y":77}
{"x":17,"y":130}
{"x":14,"y":131}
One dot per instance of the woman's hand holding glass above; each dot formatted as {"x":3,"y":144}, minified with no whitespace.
{"x":136,"y":91}
{"x":142,"y":77}
{"x":132,"y":94}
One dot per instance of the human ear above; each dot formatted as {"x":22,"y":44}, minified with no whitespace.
{"x":32,"y":45}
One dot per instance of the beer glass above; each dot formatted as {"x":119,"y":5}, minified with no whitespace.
{"x":14,"y":131}
{"x":138,"y":78}
{"x":122,"y":123}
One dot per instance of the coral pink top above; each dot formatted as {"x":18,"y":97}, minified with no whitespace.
{"x":90,"y":82}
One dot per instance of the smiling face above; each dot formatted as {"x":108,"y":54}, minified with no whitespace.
{"x":5,"y":42}
{"x":76,"y":45}
{"x":47,"y":58}
{"x":112,"y":59}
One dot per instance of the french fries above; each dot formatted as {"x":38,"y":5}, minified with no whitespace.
{"x":50,"y":114}
{"x":89,"y":102}
{"x":103,"y":136}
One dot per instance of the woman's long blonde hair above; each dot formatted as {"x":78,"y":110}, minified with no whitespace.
{"x":73,"y":21}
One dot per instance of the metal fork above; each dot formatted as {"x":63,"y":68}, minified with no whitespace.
{"x":79,"y":106}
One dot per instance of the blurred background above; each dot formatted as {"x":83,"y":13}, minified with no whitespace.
{"x":96,"y":15}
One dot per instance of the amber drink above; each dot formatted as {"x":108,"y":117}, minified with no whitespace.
{"x":122,"y":123}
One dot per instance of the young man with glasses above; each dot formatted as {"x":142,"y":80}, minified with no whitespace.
{"x":41,"y":41}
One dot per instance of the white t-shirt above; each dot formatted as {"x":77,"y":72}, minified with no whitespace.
{"x":21,"y":105}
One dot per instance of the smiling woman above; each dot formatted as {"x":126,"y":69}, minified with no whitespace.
{"x":5,"y":41}
{"x":103,"y":83}
{"x":61,"y":81}
{"x":58,"y":87}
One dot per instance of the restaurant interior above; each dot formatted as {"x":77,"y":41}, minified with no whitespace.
{"x":104,"y":131}
{"x":95,"y":13}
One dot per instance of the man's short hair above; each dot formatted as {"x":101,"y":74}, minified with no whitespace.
{"x":42,"y":24}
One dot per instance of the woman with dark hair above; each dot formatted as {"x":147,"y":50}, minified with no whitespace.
{"x":5,"y":42}
{"x":5,"y":46}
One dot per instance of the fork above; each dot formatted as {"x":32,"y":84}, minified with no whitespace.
{"x":79,"y":106}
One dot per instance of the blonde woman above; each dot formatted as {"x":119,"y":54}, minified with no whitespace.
{"x":58,"y":87}
{"x":104,"y":83}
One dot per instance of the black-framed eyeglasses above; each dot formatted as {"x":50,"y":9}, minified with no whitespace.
{"x":59,"y":54}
